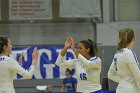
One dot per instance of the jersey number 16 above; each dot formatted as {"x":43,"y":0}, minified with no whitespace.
{"x":83,"y":76}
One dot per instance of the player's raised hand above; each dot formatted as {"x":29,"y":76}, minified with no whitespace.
{"x":73,"y":46}
{"x":68,"y":42}
{"x":20,"y":59}
{"x":72,"y":43}
{"x":35,"y":56}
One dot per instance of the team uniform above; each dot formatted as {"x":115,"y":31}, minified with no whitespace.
{"x":125,"y":71}
{"x":70,"y":84}
{"x":87,"y":72}
{"x":8,"y":68}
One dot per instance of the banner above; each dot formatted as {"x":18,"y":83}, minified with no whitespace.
{"x":80,"y":8}
{"x":46,"y":68}
{"x":30,"y":9}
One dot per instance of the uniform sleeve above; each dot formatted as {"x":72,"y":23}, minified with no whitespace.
{"x":112,"y":74}
{"x":133,"y":64}
{"x":95,"y":63}
{"x":65,"y":64}
{"x":14,"y":66}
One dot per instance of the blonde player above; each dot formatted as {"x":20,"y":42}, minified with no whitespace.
{"x":87,"y":65}
{"x":9,"y":66}
{"x":125,"y":67}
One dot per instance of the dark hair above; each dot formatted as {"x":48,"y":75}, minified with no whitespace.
{"x":3,"y":42}
{"x":69,"y":71}
{"x":125,"y":37}
{"x":91,"y":45}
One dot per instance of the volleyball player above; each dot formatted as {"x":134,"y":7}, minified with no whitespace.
{"x":125,"y":67}
{"x":9,"y":66}
{"x":87,"y":65}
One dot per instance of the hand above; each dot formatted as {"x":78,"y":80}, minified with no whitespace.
{"x":73,"y":47}
{"x":35,"y":56}
{"x":20,"y":59}
{"x":73,"y":43}
{"x":68,"y":42}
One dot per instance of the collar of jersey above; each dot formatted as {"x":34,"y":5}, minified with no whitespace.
{"x":93,"y":58}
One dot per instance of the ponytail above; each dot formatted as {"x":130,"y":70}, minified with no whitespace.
{"x":125,"y":37}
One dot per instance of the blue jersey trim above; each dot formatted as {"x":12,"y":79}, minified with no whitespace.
{"x":136,"y":59}
{"x":95,"y":58}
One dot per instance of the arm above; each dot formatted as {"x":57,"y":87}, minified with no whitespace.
{"x":133,"y":65}
{"x":64,"y":64}
{"x":112,"y":74}
{"x":14,"y":66}
{"x":20,"y":59}
{"x":94,"y":63}
{"x":63,"y":88}
{"x":66,"y":47}
{"x":60,"y":60}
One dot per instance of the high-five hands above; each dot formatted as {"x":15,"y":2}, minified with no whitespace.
{"x":34,"y":57}
{"x":73,"y":46}
{"x":68,"y":42}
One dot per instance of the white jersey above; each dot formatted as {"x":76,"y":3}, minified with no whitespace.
{"x":87,"y":72}
{"x":125,"y":71}
{"x":8,"y":68}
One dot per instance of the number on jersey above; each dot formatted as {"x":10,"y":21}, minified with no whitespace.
{"x":83,"y":76}
{"x":115,"y":64}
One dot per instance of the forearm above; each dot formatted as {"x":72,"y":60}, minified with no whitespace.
{"x":29,"y":73}
{"x":75,"y":52}
{"x":15,"y":67}
{"x":112,"y":74}
{"x":135,"y":70}
{"x":114,"y":78}
{"x":64,"y":64}
{"x":59,"y":60}
{"x":34,"y":62}
{"x":63,"y":52}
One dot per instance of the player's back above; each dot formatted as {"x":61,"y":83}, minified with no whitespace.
{"x":121,"y":62}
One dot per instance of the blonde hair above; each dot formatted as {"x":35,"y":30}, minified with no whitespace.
{"x":126,"y":35}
